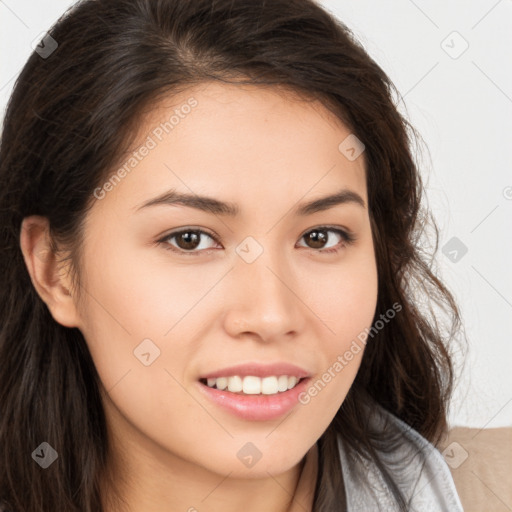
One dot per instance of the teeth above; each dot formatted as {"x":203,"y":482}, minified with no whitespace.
{"x":251,"y":385}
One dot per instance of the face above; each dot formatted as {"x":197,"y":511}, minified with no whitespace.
{"x":174,"y":291}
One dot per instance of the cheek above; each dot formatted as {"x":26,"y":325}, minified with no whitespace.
{"x":345,"y":297}
{"x":129,"y":311}
{"x":346,"y":304}
{"x":143,"y":296}
{"x":137,"y":306}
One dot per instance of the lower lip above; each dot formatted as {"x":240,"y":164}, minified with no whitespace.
{"x":256,"y":407}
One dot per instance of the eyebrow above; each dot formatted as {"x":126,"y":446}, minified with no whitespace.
{"x":212,"y":205}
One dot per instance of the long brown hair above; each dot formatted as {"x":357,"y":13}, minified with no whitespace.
{"x":72,"y":114}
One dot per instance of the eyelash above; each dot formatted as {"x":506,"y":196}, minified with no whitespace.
{"x":348,"y":239}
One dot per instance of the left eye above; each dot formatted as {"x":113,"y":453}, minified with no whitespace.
{"x":320,"y":236}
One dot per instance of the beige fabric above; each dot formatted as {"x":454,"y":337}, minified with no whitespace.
{"x":480,"y":462}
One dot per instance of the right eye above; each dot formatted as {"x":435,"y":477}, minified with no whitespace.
{"x":187,"y":241}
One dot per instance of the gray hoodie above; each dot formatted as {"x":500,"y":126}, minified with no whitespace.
{"x":429,"y":483}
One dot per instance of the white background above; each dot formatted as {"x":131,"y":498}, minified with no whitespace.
{"x":462,"y":108}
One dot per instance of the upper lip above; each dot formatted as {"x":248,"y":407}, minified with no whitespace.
{"x":258,"y":370}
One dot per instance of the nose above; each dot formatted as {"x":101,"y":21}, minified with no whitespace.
{"x":264,"y":299}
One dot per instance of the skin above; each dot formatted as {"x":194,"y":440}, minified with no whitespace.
{"x":267,"y":152}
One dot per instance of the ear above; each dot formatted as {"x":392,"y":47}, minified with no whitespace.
{"x":52,"y":283}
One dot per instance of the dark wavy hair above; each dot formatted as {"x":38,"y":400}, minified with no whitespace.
{"x":71,"y":117}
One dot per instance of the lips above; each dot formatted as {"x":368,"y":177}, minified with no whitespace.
{"x":255,"y":407}
{"x":258,"y":370}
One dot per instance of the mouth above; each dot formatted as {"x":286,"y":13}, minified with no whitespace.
{"x":253,"y":385}
{"x":251,"y":400}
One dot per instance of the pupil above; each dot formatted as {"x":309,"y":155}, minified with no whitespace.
{"x":317,"y":237}
{"x":191,"y":239}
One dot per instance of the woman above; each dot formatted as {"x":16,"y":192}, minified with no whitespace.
{"x":210,"y":234}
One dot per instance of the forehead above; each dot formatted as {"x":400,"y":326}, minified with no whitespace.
{"x":239,"y":141}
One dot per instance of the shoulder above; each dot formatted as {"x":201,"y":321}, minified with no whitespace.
{"x":416,"y":466}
